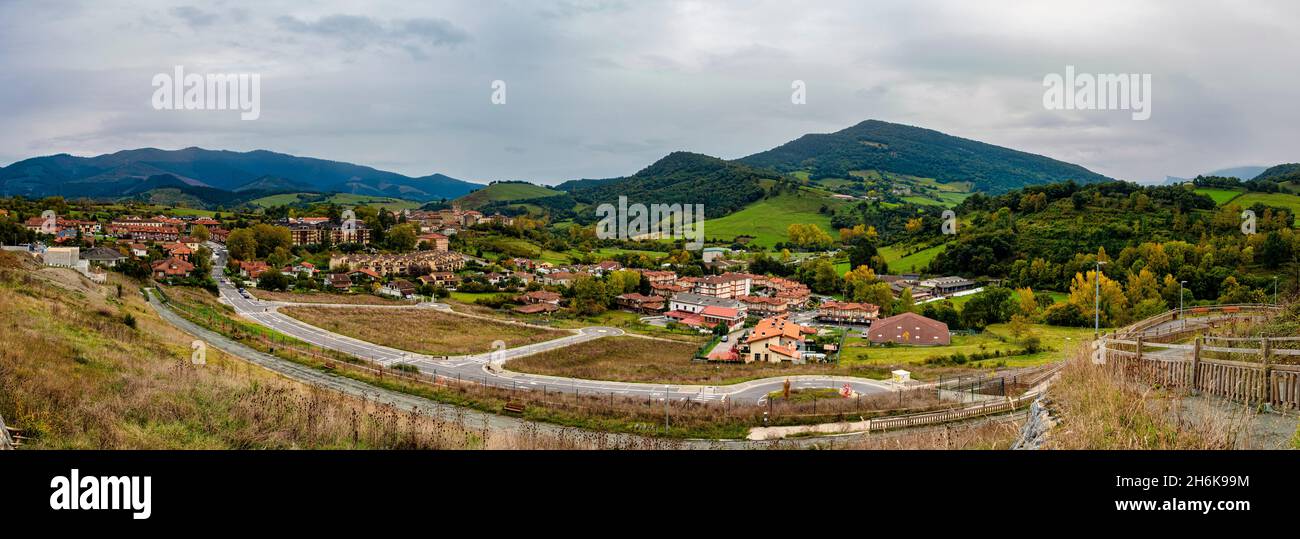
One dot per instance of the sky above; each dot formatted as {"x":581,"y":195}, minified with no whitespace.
{"x":603,"y":88}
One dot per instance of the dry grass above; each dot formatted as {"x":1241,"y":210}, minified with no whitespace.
{"x":324,"y":297}
{"x":1102,"y":410}
{"x":421,"y":330}
{"x":631,"y":359}
{"x":73,"y":374}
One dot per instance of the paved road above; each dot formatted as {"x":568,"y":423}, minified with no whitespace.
{"x":494,"y":422}
{"x":488,"y":368}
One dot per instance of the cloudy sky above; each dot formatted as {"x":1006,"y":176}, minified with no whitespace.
{"x":600,"y":88}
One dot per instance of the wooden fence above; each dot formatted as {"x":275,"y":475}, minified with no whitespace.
{"x":1247,"y":370}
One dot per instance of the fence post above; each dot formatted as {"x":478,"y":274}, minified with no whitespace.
{"x":1267,"y":352}
{"x":1196,"y":365}
{"x":1139,"y":349}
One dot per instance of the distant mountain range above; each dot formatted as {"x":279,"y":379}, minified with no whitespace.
{"x":205,"y":173}
{"x":914,"y":151}
{"x":212,"y":177}
{"x":1241,"y":173}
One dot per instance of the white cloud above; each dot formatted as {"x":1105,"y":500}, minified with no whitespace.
{"x":599,"y":88}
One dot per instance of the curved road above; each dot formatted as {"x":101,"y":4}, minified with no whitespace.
{"x":487,"y":368}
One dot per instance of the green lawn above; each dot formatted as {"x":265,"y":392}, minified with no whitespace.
{"x":1277,"y":200}
{"x":901,"y":262}
{"x":1220,"y":196}
{"x":1057,"y":342}
{"x":768,"y":220}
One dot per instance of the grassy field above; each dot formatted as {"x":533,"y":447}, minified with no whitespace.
{"x":1278,"y":200}
{"x":1057,"y":342}
{"x":1220,"y":196}
{"x":323,"y":297}
{"x":769,"y":220}
{"x":420,"y":330}
{"x":901,"y":262}
{"x":631,"y":359}
{"x":342,"y":199}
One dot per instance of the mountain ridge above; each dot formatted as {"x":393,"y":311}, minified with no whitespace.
{"x":106,"y":175}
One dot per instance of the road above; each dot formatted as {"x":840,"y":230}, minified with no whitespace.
{"x":488,"y":368}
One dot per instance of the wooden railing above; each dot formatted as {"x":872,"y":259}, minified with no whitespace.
{"x":1008,"y":405}
{"x":1249,"y":370}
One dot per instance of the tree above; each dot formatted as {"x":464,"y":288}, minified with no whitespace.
{"x":200,"y":233}
{"x":589,"y":296}
{"x":1114,"y":304}
{"x":992,"y":306}
{"x":269,"y":238}
{"x":1026,"y":302}
{"x":1142,"y":286}
{"x":403,"y":237}
{"x":904,"y":303}
{"x":241,"y":244}
{"x":273,"y":280}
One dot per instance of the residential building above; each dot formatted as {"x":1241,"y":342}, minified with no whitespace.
{"x":539,"y":296}
{"x":667,"y":290}
{"x":536,"y":308}
{"x":103,"y":256}
{"x":252,"y":269}
{"x":727,"y":285}
{"x":178,"y":250}
{"x":658,"y":277}
{"x":417,"y":263}
{"x":695,"y":303}
{"x":639,"y":303}
{"x":847,"y":312}
{"x":764,"y":306}
{"x":435,"y":241}
{"x":339,"y":281}
{"x":319,"y":230}
{"x":171,"y":268}
{"x":399,"y":288}
{"x":139,"y":250}
{"x":776,"y":339}
{"x":909,"y":328}
{"x":61,"y":256}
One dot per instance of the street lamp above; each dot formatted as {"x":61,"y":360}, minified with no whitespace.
{"x":1096,"y":313}
{"x":1180,"y":297}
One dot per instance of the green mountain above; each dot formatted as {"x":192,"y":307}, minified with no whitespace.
{"x":874,"y":145}
{"x":681,"y":178}
{"x":1281,"y":173}
{"x":504,"y":191}
{"x":110,"y":175}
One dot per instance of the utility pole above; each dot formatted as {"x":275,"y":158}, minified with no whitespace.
{"x":665,"y":408}
{"x":1274,"y":290}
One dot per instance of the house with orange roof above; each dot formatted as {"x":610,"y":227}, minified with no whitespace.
{"x":776,"y":339}
{"x":171,"y":268}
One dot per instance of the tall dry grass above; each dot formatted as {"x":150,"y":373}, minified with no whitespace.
{"x":1100,"y":409}
{"x":74,"y":374}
